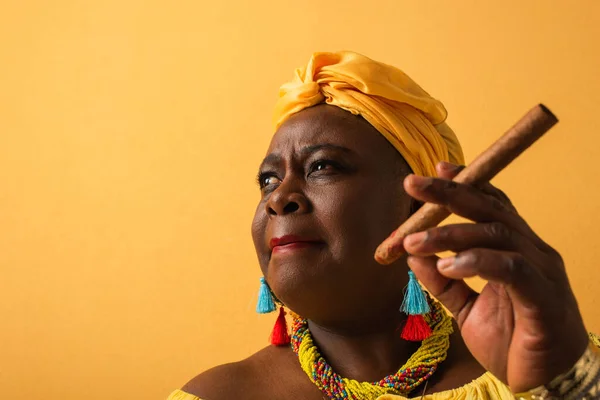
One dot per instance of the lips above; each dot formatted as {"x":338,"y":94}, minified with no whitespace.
{"x":292,"y":242}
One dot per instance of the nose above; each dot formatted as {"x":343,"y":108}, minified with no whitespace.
{"x":285,"y":200}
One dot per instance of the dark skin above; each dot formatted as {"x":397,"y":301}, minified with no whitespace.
{"x":330,"y":177}
{"x":525,"y":326}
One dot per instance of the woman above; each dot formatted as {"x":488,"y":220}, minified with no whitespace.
{"x":356,"y":150}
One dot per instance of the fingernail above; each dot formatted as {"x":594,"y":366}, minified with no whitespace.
{"x":421,"y":182}
{"x":415,"y":239}
{"x":445,"y":263}
{"x":445,"y":165}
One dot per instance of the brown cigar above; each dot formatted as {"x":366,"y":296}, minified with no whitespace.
{"x":518,"y":138}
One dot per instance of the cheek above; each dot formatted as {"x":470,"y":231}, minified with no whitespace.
{"x":259,"y":223}
{"x":258,"y":227}
{"x":367,"y":217}
{"x":391,"y":208}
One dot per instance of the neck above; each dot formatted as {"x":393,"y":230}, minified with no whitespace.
{"x":366,"y":351}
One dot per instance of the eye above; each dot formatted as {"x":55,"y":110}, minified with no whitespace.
{"x":320,"y":166}
{"x":266,"y":179}
{"x":323,"y":165}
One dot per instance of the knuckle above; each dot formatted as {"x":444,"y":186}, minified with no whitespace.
{"x":448,"y":191}
{"x":442,"y":233}
{"x":498,"y":230}
{"x":556,"y":270}
{"x":498,"y":190}
{"x":473,"y":257}
{"x":516,"y":266}
{"x":516,"y":263}
{"x":449,"y":185}
{"x":498,"y":204}
{"x":500,"y":194}
{"x":555,"y":255}
{"x":496,"y":193}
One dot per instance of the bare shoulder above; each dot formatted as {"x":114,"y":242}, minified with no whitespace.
{"x":261,"y":376}
{"x":216,"y":383}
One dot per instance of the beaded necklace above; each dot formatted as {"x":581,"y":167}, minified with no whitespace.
{"x":419,"y":367}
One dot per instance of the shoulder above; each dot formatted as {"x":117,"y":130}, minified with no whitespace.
{"x":222,"y":382}
{"x":216,"y":382}
{"x":247,"y":379}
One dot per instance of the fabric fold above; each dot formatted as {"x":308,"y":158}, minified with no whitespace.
{"x":405,"y":114}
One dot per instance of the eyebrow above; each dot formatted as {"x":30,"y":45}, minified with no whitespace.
{"x":275,"y":158}
{"x":326,"y":146}
{"x":272,"y":158}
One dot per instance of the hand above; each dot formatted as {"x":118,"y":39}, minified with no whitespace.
{"x":525,"y":326}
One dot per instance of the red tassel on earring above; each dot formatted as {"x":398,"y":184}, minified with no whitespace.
{"x":415,"y":329}
{"x":280,"y":336}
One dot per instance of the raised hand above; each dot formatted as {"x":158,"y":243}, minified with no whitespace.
{"x":525,"y":326}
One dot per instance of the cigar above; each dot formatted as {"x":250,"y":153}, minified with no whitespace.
{"x":514,"y":142}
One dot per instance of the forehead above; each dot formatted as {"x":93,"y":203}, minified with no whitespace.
{"x":328,"y":124}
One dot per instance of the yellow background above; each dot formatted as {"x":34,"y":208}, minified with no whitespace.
{"x":130,"y":134}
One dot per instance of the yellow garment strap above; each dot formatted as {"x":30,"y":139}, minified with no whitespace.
{"x":181,"y":395}
{"x":486,"y":387}
{"x":409,"y":118}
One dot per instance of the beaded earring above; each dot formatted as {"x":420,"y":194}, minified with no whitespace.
{"x":266,"y":304}
{"x":415,"y":305}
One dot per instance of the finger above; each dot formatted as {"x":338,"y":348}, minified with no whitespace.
{"x":493,"y":191}
{"x":461,"y":237}
{"x":464,"y":200}
{"x":522,"y":281}
{"x":454,"y":294}
{"x":469,"y":202}
{"x":446,"y":170}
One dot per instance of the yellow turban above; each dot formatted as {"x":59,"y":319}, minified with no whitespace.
{"x":410,"y":119}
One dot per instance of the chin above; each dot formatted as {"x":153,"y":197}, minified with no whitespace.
{"x":329,"y":301}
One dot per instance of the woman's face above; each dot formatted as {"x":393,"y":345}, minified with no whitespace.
{"x":331,"y":191}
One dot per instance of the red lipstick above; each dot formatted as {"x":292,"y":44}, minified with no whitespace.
{"x":292,"y":242}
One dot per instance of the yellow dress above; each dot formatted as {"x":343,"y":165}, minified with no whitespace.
{"x":486,"y":387}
